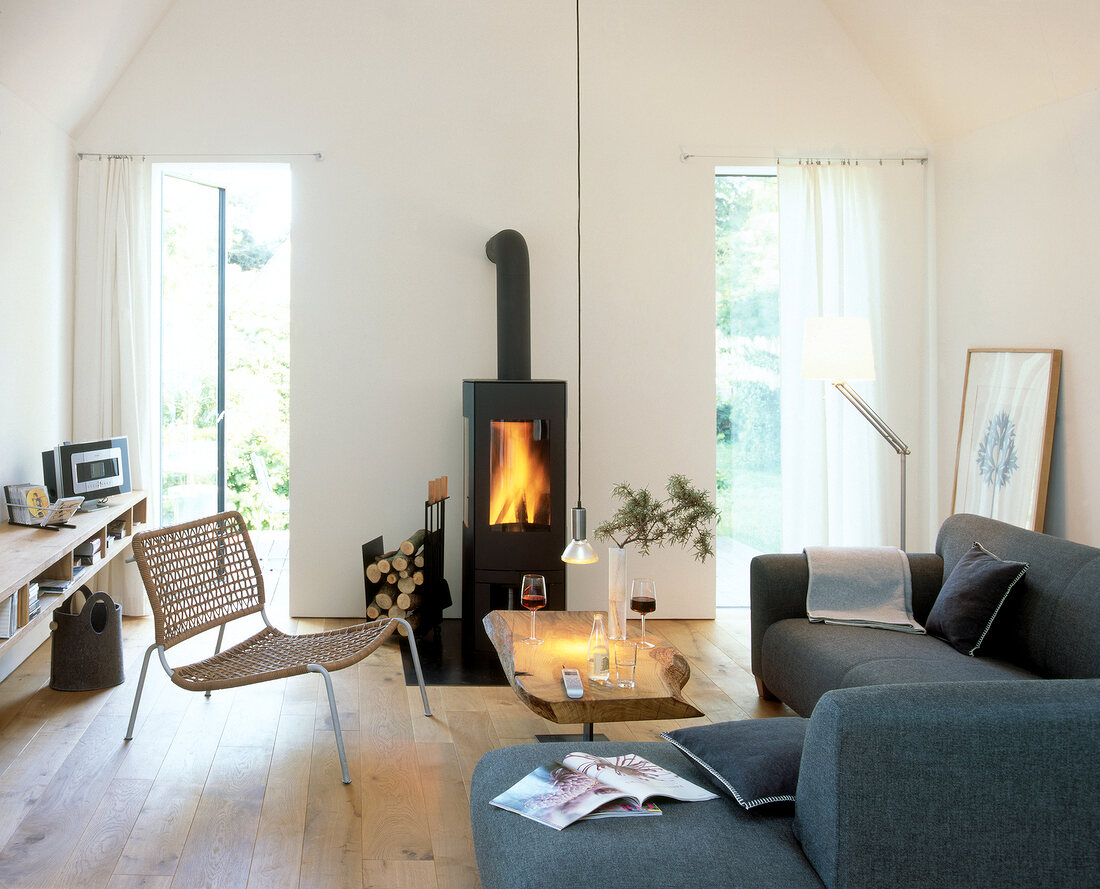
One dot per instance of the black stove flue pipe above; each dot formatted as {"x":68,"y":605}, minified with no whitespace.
{"x":508,"y":250}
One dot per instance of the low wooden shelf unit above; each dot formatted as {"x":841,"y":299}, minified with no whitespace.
{"x":35,"y":554}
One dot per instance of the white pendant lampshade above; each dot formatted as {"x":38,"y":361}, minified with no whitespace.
{"x":579,"y":551}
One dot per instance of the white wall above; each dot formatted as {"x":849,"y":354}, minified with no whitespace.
{"x":1018,"y":223}
{"x":37,"y":170}
{"x":443,"y":123}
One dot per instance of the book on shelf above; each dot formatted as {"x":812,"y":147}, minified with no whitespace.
{"x":583,"y":786}
{"x":9,"y":617}
{"x":88,"y":547}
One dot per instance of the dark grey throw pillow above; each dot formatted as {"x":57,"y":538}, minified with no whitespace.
{"x":755,"y":760}
{"x":971,"y":597}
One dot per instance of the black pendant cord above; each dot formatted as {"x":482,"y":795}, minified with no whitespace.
{"x":579,"y":389}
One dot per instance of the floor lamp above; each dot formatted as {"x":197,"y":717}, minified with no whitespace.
{"x":838,"y":350}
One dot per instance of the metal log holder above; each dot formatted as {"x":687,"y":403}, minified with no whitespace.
{"x":435,"y":592}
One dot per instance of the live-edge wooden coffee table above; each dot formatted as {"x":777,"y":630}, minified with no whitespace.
{"x":534,"y":671}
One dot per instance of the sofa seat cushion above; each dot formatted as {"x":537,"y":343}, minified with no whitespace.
{"x":713,"y":843}
{"x":802,"y":661}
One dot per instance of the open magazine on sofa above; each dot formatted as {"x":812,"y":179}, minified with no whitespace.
{"x":582,"y":785}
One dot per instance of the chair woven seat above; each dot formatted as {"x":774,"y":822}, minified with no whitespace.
{"x":203,"y":574}
{"x":272,"y":654}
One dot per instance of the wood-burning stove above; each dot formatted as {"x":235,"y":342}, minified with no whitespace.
{"x":513,"y":498}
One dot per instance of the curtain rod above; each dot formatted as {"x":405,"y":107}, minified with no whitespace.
{"x":316,"y":155}
{"x":686,"y":156}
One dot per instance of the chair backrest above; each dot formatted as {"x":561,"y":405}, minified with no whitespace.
{"x":259,"y":466}
{"x":275,"y":502}
{"x":199,"y":575}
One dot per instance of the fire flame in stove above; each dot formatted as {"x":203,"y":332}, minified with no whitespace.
{"x":519,"y":487}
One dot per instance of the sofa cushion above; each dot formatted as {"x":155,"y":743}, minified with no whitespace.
{"x":801,"y":661}
{"x":1051,"y":622}
{"x":893,"y":671}
{"x":712,"y":843}
{"x":754,"y":760}
{"x":971,"y":597}
{"x":928,"y":786}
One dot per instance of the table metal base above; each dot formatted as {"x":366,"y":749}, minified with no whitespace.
{"x":587,"y":736}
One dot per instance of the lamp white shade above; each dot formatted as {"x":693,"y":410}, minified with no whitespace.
{"x":579,"y":551}
{"x":837,"y":349}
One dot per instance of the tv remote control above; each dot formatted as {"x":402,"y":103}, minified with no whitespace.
{"x":572,"y":680}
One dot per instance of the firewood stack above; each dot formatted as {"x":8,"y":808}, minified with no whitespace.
{"x":396,"y":576}
{"x":408,"y":582}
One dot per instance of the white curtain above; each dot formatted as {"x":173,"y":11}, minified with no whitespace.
{"x":852,"y":243}
{"x":114,"y":370}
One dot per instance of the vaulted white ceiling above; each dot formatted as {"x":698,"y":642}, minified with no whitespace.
{"x":951,"y":65}
{"x":956,"y":65}
{"x":62,"y":57}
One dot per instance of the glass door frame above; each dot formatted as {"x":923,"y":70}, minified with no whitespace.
{"x":167,"y":171}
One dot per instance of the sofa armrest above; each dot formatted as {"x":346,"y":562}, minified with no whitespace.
{"x":778,"y":582}
{"x":777,"y":591}
{"x":953,"y":784}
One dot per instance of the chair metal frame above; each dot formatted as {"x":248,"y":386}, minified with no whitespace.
{"x":203,"y":574}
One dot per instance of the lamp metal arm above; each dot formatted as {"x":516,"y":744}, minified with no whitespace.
{"x":886,"y":432}
{"x":874,"y":419}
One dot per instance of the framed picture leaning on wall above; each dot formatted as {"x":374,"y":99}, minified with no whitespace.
{"x":1005,"y":436}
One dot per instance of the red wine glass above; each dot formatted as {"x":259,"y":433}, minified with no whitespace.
{"x":533,"y":597}
{"x":643,"y":601}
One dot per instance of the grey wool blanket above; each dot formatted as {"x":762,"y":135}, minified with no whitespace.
{"x":867,"y":586}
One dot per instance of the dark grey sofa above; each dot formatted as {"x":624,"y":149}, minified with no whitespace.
{"x":922,"y":768}
{"x":1049,"y":627}
{"x":922,"y":786}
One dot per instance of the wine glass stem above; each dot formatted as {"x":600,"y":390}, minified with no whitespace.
{"x":643,"y":628}
{"x":532,"y":624}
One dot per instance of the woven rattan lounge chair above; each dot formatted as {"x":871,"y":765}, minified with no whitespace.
{"x":203,"y":574}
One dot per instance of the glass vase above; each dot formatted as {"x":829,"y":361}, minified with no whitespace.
{"x":616,"y":593}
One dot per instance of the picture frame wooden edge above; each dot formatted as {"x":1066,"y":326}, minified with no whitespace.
{"x":1048,"y":437}
{"x":1053,"y":380}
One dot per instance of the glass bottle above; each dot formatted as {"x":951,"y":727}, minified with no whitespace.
{"x":599,"y":655}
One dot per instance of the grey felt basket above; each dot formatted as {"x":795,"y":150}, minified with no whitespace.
{"x":86,"y":647}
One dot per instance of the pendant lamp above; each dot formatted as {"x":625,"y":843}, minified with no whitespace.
{"x":579,"y":551}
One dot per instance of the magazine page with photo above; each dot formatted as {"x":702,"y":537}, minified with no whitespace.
{"x":560,"y":793}
{"x":638,"y":777}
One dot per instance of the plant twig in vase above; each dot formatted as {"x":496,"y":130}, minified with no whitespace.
{"x":686,"y":517}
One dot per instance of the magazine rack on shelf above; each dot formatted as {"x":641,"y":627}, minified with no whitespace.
{"x":29,"y":554}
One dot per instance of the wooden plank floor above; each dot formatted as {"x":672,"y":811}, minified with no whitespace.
{"x":242,"y":790}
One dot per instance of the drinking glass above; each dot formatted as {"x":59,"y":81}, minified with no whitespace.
{"x":626,"y":660}
{"x":643,"y":601}
{"x":533,"y":597}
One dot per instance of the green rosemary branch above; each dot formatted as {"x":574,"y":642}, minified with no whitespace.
{"x":686,"y":518}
